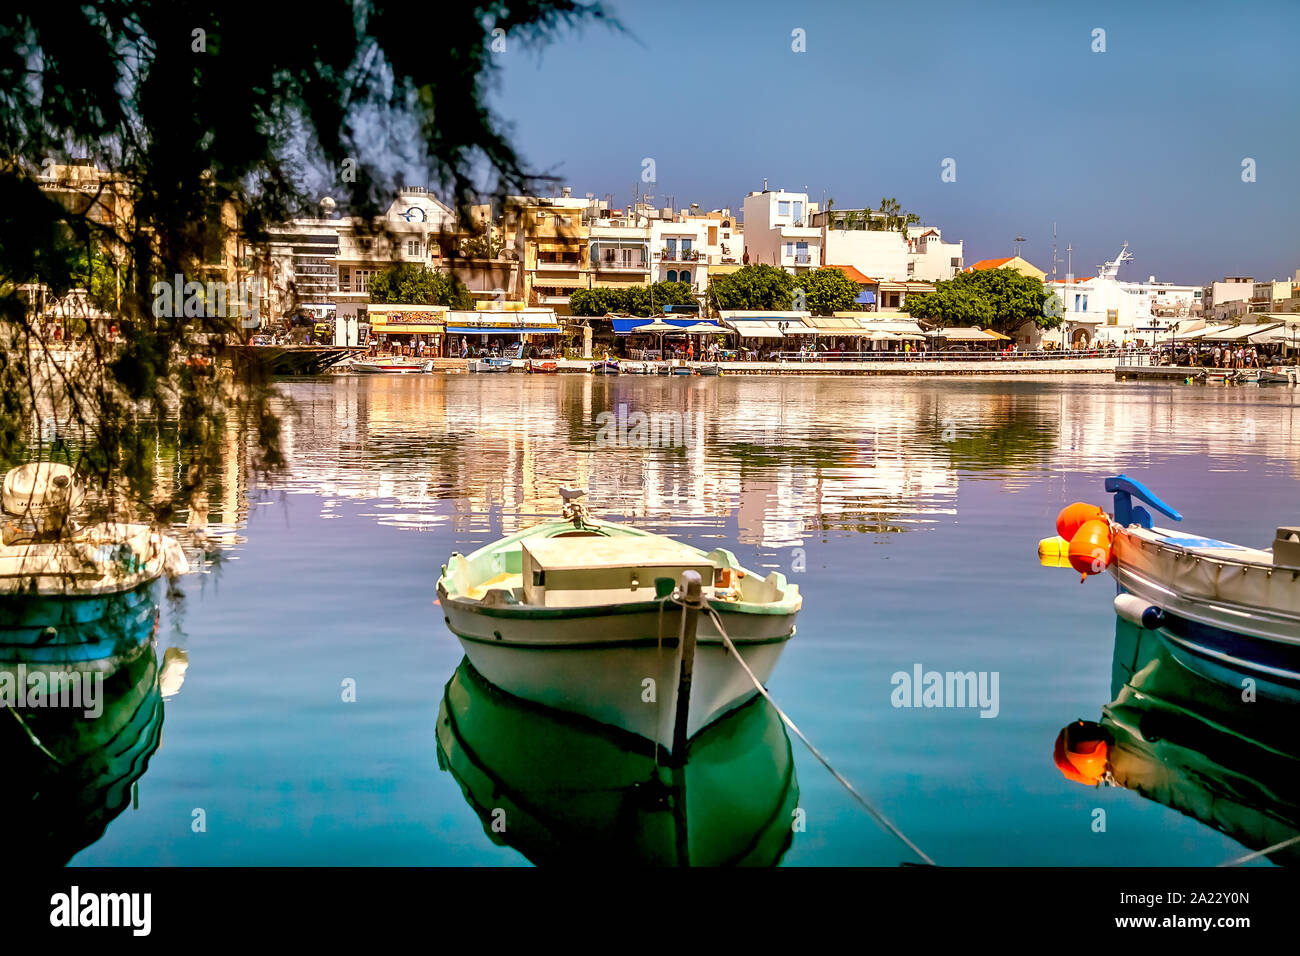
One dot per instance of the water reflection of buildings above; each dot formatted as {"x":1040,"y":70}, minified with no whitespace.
{"x":497,"y":450}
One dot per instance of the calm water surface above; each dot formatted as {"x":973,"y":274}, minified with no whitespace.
{"x":907,"y":510}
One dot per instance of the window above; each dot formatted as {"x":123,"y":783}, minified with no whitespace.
{"x":783,"y":209}
{"x":798,"y":210}
{"x":672,"y":275}
{"x":789,"y":248}
{"x":672,"y":248}
{"x":685,"y":276}
{"x":956,"y":262}
{"x":412,"y":247}
{"x":344,"y":280}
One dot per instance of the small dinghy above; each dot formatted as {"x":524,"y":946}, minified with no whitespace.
{"x":491,"y":365}
{"x":581,"y":615}
{"x":534,"y":367}
{"x":637,"y":368}
{"x":392,"y":366}
{"x":710,"y":369}
{"x":681,"y":370}
{"x":56,"y":576}
{"x":609,"y":367}
{"x":1228,"y":609}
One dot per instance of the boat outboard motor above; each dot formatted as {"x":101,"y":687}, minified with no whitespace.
{"x":43,"y":492}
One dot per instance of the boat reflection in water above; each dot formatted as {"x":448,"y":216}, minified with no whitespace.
{"x":562,"y":789}
{"x":1199,"y":746}
{"x":70,"y":770}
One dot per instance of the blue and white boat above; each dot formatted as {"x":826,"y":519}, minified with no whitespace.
{"x":607,"y":367}
{"x":1227,"y":610}
{"x":491,"y":365}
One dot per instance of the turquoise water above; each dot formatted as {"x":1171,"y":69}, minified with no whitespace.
{"x":907,"y":510}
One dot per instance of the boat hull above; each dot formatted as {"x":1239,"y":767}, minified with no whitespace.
{"x":392,"y":368}
{"x":1225,"y":619}
{"x":596,"y":661}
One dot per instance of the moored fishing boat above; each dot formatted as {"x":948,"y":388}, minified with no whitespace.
{"x":56,"y":576}
{"x":637,"y":368}
{"x":536,"y":367}
{"x":607,"y":367}
{"x":712,"y":368}
{"x":1226,"y":608}
{"x":396,"y":365}
{"x":491,"y":365}
{"x":580,"y":614}
{"x":681,"y":370}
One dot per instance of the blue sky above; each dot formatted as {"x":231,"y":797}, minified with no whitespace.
{"x":1143,"y":142}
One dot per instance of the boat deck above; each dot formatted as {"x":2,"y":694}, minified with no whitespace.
{"x":503,"y":582}
{"x":1210,"y":548}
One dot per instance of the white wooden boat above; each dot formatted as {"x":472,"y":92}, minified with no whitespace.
{"x":576,"y":614}
{"x":606,"y":367}
{"x":1230,"y":610}
{"x":397,"y":365}
{"x":55,"y":576}
{"x":637,"y":368}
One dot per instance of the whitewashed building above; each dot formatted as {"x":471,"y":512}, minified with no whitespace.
{"x":779,"y":230}
{"x":929,"y":257}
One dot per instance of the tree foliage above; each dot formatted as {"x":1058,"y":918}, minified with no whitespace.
{"x":999,"y":299}
{"x":753,"y":287}
{"x":825,"y":291}
{"x":212,"y":120}
{"x":642,"y":300}
{"x":410,"y":284}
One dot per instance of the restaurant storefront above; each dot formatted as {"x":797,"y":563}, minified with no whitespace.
{"x":514,"y":332}
{"x":408,"y":329}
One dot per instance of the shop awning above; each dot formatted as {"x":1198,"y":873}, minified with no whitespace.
{"x":1235,"y":332}
{"x":503,"y":330}
{"x":970,"y":334}
{"x":768,"y":328}
{"x":406,"y":322}
{"x":626,"y":324}
{"x":834,"y":324}
{"x":558,"y":282}
{"x":905,"y":327}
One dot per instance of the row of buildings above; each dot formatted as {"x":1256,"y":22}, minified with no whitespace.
{"x":533,"y":252}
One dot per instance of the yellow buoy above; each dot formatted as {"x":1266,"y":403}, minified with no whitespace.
{"x":1054,"y":552}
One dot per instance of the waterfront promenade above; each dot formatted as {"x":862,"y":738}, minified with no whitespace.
{"x":942,"y":366}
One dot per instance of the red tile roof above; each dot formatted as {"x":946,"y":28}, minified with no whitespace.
{"x":989,"y":264}
{"x":854,"y":274}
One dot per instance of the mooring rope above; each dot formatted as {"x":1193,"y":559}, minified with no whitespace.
{"x":28,"y":731}
{"x":879,"y":817}
{"x":1264,"y":852}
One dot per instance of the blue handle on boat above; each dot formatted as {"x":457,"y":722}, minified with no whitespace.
{"x":1125,"y":490}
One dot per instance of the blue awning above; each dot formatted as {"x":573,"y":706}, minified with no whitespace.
{"x":624,"y":326}
{"x":511,"y":330}
{"x":865,"y":297}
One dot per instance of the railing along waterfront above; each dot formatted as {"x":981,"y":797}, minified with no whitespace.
{"x":955,"y":355}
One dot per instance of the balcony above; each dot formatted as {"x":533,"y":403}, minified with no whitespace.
{"x":613,"y":265}
{"x":802,"y":258}
{"x":681,"y":255}
{"x":543,"y":299}
{"x":557,"y":265}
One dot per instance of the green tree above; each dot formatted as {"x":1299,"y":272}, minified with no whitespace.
{"x":482,"y":246}
{"x":212,"y":120}
{"x":410,"y":284}
{"x":998,"y":299}
{"x":643,"y":300}
{"x":751,"y":288}
{"x":826,"y":290}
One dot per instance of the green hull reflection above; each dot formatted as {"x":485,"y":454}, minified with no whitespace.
{"x":564,"y":790}
{"x":1197,"y":747}
{"x":69,"y":774}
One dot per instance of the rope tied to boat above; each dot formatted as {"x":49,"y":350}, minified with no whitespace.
{"x":677,"y":598}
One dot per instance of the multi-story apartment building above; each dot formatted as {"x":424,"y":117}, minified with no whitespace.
{"x":856,"y":237}
{"x":618,"y":248}
{"x":1268,"y":296}
{"x":779,"y":230}
{"x":551,"y":241}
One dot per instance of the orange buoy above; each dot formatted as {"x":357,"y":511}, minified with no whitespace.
{"x":1072,"y":517}
{"x":1082,"y":751}
{"x":1090,"y":547}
